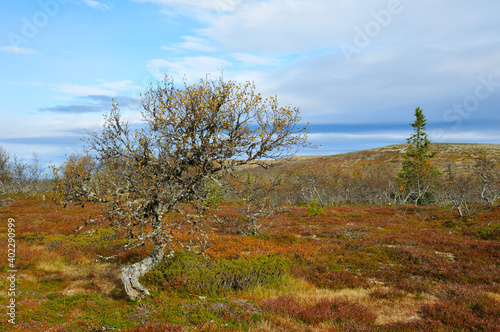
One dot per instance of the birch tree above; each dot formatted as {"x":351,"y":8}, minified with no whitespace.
{"x":153,"y":180}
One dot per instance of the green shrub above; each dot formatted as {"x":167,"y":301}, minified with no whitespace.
{"x":191,"y":273}
{"x":314,"y":208}
{"x":214,"y":194}
{"x":426,"y":199}
{"x":489,"y":232}
{"x":451,"y":223}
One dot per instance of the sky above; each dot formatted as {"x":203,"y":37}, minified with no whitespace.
{"x":356,"y":69}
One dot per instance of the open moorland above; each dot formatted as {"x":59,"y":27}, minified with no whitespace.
{"x":311,"y":267}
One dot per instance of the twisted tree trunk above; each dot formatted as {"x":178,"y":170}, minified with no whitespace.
{"x":131,"y":273}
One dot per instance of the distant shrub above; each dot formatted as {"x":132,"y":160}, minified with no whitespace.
{"x":314,"y":208}
{"x":426,"y":199}
{"x":214,"y":194}
{"x":192,"y":273}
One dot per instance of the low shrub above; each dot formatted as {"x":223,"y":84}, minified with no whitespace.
{"x":160,"y":327}
{"x":214,"y":194}
{"x":338,"y":311}
{"x":451,"y":223}
{"x":464,"y":307}
{"x":472,"y":299}
{"x":412,"y":286}
{"x":322,"y":277}
{"x":192,"y":273}
{"x":455,"y":315}
{"x":488,"y":232}
{"x":314,"y":208}
{"x":27,"y":256}
{"x":414,"y":256}
{"x":434,"y":266}
{"x":417,"y":325}
{"x":387,"y":293}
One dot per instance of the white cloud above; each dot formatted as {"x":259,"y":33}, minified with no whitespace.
{"x":193,"y":68}
{"x":467,"y":136}
{"x":53,"y":125}
{"x":96,"y":5}
{"x":84,"y":90}
{"x":126,"y":85}
{"x":36,"y":84}
{"x":254,"y":60}
{"x":191,"y":43}
{"x":105,"y":88}
{"x":283,"y":26}
{"x":18,"y":50}
{"x":425,"y":53}
{"x":213,"y":5}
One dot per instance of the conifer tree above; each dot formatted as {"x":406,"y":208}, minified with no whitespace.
{"x":417,"y":176}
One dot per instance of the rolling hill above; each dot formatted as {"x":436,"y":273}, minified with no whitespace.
{"x":463,"y":154}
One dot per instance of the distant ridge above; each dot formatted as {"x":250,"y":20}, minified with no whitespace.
{"x":461,"y":154}
{"x":391,"y":155}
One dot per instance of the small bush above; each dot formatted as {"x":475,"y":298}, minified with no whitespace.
{"x":426,"y":199}
{"x":314,"y":208}
{"x":194,"y":274}
{"x":214,"y":194}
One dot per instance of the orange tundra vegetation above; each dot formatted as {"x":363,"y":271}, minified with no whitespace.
{"x":349,"y":268}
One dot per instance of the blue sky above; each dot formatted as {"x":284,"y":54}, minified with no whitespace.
{"x":356,"y":69}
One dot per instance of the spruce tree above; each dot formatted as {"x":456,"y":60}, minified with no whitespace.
{"x":417,"y":176}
